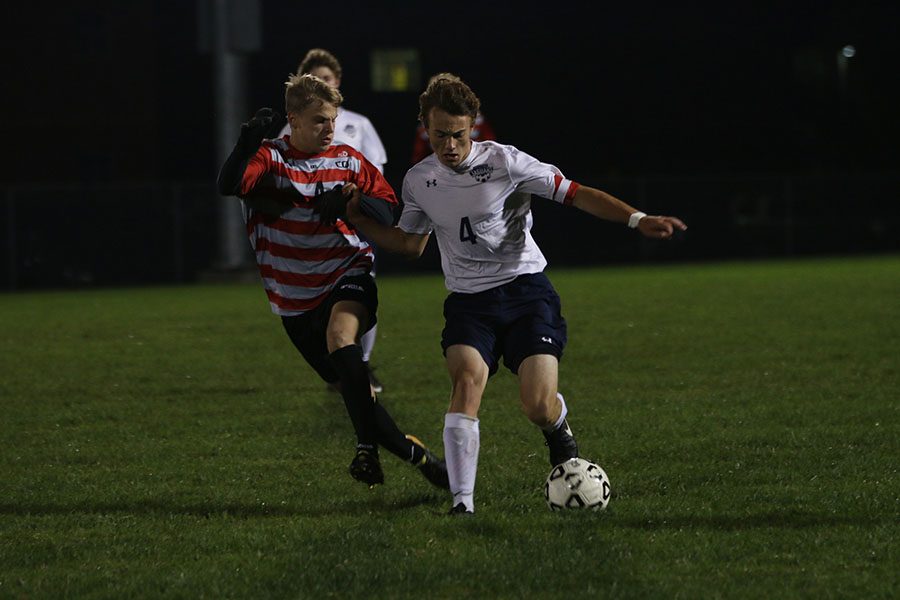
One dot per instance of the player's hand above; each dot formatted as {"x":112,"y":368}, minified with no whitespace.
{"x":661,"y":228}
{"x":265,"y":123}
{"x":332,"y":205}
{"x":354,"y":209}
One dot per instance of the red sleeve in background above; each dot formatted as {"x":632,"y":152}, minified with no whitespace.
{"x":421,"y":147}
{"x":485,"y":131}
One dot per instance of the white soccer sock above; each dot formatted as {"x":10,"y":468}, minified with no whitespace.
{"x":368,"y":342}
{"x":562,"y":414}
{"x":461,"y":443}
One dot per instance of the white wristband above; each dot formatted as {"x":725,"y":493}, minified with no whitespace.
{"x":635,"y":218}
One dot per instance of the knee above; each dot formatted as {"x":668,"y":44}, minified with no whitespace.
{"x":468,"y":385}
{"x":467,"y":382}
{"x":337,"y":338}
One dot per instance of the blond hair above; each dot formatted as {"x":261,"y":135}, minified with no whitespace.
{"x":301,"y":91}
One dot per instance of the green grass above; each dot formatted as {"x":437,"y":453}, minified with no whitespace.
{"x":169,"y":442}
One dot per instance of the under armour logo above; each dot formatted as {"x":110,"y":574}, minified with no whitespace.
{"x":546,"y":340}
{"x":431,"y":183}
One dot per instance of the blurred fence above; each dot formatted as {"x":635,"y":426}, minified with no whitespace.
{"x":129,"y":234}
{"x":116,"y":234}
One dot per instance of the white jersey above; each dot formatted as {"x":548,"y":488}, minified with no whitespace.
{"x":356,"y":131}
{"x":481,"y":213}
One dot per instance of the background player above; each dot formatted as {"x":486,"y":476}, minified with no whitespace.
{"x":355,"y":130}
{"x":314,"y":267}
{"x":476,"y":197}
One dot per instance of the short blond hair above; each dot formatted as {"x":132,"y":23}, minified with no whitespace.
{"x":300,"y":91}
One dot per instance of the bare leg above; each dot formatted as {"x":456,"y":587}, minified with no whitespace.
{"x":538,"y":379}
{"x":544,"y":405}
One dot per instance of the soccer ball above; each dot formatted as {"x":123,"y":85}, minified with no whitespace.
{"x":577,"y":483}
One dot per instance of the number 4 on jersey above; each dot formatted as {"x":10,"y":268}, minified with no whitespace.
{"x":465,"y":231}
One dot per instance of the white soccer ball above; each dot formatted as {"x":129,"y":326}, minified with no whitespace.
{"x":577,"y":483}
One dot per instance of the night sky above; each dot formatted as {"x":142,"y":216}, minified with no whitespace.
{"x":119,"y":91}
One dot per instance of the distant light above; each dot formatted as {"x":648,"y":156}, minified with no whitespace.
{"x":395,"y":69}
{"x":848,"y":51}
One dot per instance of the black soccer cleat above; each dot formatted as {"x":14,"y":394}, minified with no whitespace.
{"x":430,"y":466}
{"x":460,"y":510}
{"x":366,"y":467}
{"x":561,"y":443}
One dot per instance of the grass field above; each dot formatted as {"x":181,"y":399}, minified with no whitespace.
{"x":168,"y":442}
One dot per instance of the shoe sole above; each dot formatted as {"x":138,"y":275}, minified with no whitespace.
{"x":370,"y":477}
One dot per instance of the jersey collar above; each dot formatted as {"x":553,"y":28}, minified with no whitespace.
{"x":465,"y":165}
{"x":292,"y":152}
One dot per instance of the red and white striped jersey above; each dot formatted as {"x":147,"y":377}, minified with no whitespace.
{"x":301,"y":258}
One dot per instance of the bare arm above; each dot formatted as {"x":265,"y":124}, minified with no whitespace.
{"x":605,"y":206}
{"x":386,"y":237}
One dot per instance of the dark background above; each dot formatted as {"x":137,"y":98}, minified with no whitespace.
{"x":708,"y":110}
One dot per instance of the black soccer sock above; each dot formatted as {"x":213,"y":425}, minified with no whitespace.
{"x":357,"y":395}
{"x":393,"y":440}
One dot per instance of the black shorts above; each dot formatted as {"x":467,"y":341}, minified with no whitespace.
{"x":516,"y":320}
{"x":307,"y":331}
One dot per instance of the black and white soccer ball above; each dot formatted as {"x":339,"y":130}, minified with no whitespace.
{"x":577,"y":483}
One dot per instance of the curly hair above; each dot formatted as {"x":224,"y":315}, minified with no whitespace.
{"x":449,"y":93}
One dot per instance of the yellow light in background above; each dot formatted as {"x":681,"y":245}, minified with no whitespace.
{"x":399,"y":78}
{"x":395,"y":70}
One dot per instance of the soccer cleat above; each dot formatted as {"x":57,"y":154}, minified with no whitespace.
{"x":430,"y":466}
{"x":561,"y":443}
{"x":377,"y":386}
{"x":460,"y":510}
{"x":366,"y":467}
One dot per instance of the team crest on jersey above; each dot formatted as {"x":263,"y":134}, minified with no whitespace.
{"x":350,"y":130}
{"x":481,"y":173}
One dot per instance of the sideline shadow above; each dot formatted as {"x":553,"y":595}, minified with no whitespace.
{"x":212,"y":509}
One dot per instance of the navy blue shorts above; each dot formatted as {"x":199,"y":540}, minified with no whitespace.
{"x":307,"y":331}
{"x":515,"y":320}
